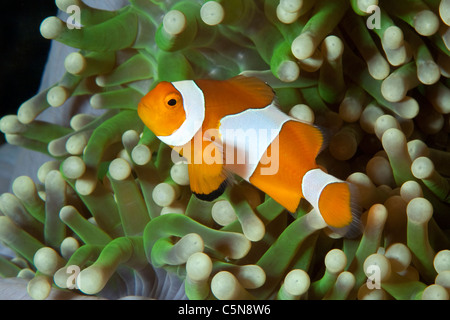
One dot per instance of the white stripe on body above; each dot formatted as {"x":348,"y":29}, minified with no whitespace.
{"x":248,"y":135}
{"x":313,"y":183}
{"x":194,"y":107}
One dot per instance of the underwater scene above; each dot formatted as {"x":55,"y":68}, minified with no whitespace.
{"x":231,"y":150}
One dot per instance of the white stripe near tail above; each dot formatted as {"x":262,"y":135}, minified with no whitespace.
{"x":334,"y":207}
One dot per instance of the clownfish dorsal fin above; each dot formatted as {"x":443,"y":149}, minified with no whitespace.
{"x":310,"y":139}
{"x":254,"y":88}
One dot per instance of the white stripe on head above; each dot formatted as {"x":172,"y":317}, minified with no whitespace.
{"x":194,"y":107}
{"x":313,"y":183}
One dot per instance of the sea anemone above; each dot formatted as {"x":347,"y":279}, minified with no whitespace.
{"x":112,"y":216}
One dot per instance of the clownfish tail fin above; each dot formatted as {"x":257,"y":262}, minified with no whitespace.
{"x":339,"y":203}
{"x":335,"y":200}
{"x":346,"y":207}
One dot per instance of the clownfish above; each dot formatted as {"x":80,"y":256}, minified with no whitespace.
{"x":227,"y":127}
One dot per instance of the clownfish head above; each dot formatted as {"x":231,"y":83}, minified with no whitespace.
{"x":162,"y":109}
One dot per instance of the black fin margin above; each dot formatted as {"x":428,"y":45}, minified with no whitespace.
{"x":213,"y":195}
{"x":356,"y":228}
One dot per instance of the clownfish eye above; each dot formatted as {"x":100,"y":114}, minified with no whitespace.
{"x":172,"y":100}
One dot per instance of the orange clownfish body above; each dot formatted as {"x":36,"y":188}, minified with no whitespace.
{"x":235,"y":126}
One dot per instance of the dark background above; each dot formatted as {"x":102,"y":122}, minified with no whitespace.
{"x":23,"y":51}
